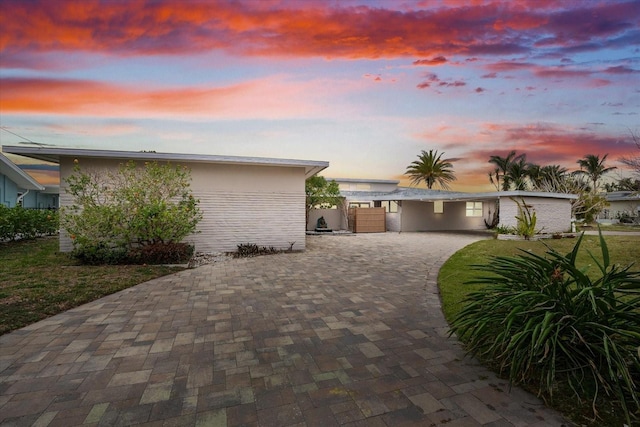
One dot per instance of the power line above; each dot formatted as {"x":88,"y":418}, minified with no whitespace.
{"x":23,"y":137}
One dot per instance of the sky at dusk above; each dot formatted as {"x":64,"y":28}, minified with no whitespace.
{"x":365,"y":85}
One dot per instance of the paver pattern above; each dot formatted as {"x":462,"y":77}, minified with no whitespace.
{"x":348,"y":333}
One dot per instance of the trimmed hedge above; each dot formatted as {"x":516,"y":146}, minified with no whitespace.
{"x":20,"y":223}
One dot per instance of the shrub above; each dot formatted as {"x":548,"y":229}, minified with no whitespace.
{"x":124,"y":211}
{"x":543,"y":321}
{"x":246,"y":250}
{"x":20,"y":223}
{"x":161,"y":253}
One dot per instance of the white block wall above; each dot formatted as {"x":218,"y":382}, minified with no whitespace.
{"x":240,"y":204}
{"x":552,"y":215}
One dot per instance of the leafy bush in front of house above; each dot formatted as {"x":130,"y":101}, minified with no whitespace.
{"x":545,"y":322}
{"x":20,"y":223}
{"x":116,"y":215}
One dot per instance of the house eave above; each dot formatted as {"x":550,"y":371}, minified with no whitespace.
{"x":54,"y":154}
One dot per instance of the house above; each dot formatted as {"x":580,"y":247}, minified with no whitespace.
{"x":621,"y":204}
{"x":416,"y":209}
{"x":19,"y":188}
{"x":243,"y":199}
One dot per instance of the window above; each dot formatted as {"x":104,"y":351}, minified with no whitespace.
{"x":389,"y":206}
{"x":359,"y":204}
{"x":438,"y":207}
{"x":474,"y":208}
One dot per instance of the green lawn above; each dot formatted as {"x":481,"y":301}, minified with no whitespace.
{"x":457,"y":270}
{"x":37,"y":281}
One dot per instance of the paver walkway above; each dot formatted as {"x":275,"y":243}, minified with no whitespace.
{"x":349,"y":332}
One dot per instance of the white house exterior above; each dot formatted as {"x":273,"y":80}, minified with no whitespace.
{"x":622,"y":204}
{"x":415,"y":209}
{"x":243,"y":199}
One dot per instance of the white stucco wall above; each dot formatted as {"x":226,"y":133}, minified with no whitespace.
{"x":552,"y":215}
{"x":419,"y":216}
{"x":240,"y":204}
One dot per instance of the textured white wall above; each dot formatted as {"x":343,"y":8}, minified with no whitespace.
{"x":552,"y":215}
{"x":240,"y":204}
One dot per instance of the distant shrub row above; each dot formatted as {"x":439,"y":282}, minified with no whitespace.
{"x":19,"y":223}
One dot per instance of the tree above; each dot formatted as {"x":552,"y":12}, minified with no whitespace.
{"x":588,"y":204}
{"x":130,"y":208}
{"x":501,"y":176}
{"x":320,"y":194}
{"x":540,"y":176}
{"x":432,"y":169}
{"x":593,"y":168}
{"x":518,"y":173}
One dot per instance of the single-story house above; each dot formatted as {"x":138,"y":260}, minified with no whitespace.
{"x":243,"y":199}
{"x":17,"y":187}
{"x":415,"y":209}
{"x":621,"y":204}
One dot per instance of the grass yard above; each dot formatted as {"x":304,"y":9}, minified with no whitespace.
{"x":457,"y":270}
{"x":37,"y":281}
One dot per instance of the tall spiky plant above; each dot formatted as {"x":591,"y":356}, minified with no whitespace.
{"x":542,"y":319}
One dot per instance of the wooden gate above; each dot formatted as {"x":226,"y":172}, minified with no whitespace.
{"x":367,"y":220}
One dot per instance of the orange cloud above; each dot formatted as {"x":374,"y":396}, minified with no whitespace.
{"x":266,"y":98}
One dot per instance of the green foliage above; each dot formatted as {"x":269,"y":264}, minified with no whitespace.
{"x":590,"y":205}
{"x":128,"y":209}
{"x":246,"y":250}
{"x":505,"y":229}
{"x":526,"y":226}
{"x":544,"y":321}
{"x":321,"y":194}
{"x":19,"y":223}
{"x":432,"y":169}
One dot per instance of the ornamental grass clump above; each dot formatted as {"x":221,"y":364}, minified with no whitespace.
{"x":546,"y":322}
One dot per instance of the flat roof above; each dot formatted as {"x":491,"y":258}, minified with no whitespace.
{"x":53,"y":154}
{"x":432,"y":195}
{"x":364,"y":181}
{"x":23,"y":180}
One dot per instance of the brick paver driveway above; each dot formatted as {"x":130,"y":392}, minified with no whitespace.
{"x":348,"y":333}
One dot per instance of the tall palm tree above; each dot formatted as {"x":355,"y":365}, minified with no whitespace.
{"x":593,"y":168}
{"x":501,"y":172}
{"x":431,"y":169}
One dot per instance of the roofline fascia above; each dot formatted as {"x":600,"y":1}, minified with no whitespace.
{"x":53,"y":155}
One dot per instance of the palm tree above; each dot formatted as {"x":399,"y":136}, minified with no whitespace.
{"x":593,"y":168}
{"x":518,"y":173}
{"x":431,"y":169}
{"x":501,"y":172}
{"x":542,"y":176}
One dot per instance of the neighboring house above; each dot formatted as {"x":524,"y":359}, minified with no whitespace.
{"x":243,"y":199}
{"x":16,"y":186}
{"x":621,"y":204}
{"x":415,"y":209}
